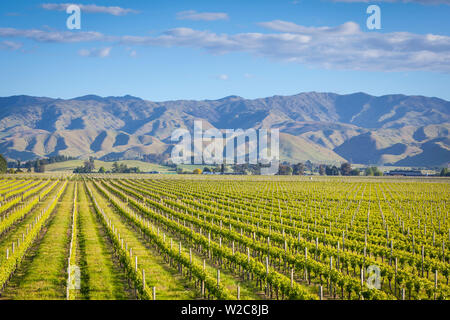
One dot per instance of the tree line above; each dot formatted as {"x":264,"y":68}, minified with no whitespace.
{"x":286,"y":169}
{"x":37,"y":165}
{"x":329,"y":170}
{"x":89,"y":167}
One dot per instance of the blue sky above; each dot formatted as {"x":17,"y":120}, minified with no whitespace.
{"x":178,"y":49}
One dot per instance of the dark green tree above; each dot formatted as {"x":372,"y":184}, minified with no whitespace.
{"x":299,"y":169}
{"x":285,"y":170}
{"x":39,"y":167}
{"x":346,"y":168}
{"x":322,"y":170}
{"x":373,"y":171}
{"x":309,"y":165}
{"x":3,"y":164}
{"x":332,"y":171}
{"x":89,"y":165}
{"x":115,"y":167}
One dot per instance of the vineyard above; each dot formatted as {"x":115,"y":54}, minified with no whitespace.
{"x":226,"y":238}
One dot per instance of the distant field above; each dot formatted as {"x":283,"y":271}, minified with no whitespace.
{"x":69,"y":166}
{"x":72,"y":164}
{"x":192,"y":167}
{"x":393,"y":168}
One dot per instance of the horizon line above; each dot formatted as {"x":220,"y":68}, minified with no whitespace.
{"x":226,"y":97}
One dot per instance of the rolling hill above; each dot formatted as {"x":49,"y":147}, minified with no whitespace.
{"x":321,"y":127}
{"x":69,"y":166}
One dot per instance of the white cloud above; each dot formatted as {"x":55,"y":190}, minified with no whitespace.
{"x":342,"y":47}
{"x":53,"y":36}
{"x":205,"y":16}
{"x":345,"y":47}
{"x":223,"y":77}
{"x":89,"y":8}
{"x":347,"y":28}
{"x":432,"y":2}
{"x":10,"y":45}
{"x":99,"y":53}
{"x":248,"y":76}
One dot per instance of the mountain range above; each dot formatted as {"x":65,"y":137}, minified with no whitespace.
{"x":321,"y":127}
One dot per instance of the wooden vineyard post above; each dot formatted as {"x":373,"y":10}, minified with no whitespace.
{"x":306,"y":262}
{"x":338,"y":247}
{"x":443,"y":249}
{"x":292,"y":277}
{"x":209,"y":245}
{"x":218,"y":278}
{"x":423,"y":257}
{"x":317,"y":249}
{"x":392,"y":249}
{"x":364,"y":258}
{"x":365,"y":234}
{"x":203,"y":281}
{"x":143,"y":279}
{"x":220,"y":246}
{"x":343,"y":240}
{"x":435,"y":283}
{"x":320,"y":293}
{"x":267,"y":273}
{"x":190,"y":261}
{"x":395,"y":276}
{"x":180,"y":268}
{"x":362,"y":278}
{"x":248,"y":262}
{"x":238,"y":292}
{"x":329,"y":278}
{"x":154,"y":293}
